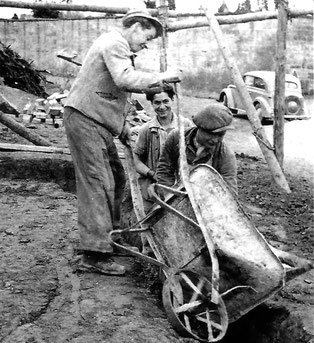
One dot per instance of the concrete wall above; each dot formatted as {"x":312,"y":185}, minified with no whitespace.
{"x":195,"y":50}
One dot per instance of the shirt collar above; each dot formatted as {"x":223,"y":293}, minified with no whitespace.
{"x":154,"y":123}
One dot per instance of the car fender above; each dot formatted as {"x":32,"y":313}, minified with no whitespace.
{"x":268,"y":111}
{"x":228,"y":92}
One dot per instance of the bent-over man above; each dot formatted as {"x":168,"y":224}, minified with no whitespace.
{"x":204,"y":144}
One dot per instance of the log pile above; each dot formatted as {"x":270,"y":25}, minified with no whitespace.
{"x":18,"y":73}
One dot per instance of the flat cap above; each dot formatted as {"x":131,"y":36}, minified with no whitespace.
{"x":214,"y":118}
{"x":143,"y":14}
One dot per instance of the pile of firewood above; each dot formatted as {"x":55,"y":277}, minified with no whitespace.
{"x":15,"y":72}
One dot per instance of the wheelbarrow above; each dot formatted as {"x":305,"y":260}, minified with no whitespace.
{"x":217,"y":265}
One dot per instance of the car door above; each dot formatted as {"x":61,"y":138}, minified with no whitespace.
{"x":259,"y":88}
{"x":249,"y":82}
{"x":238,"y":103}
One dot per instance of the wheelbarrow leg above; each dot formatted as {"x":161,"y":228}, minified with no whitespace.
{"x":294,"y":265}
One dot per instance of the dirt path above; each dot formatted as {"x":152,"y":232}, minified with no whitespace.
{"x":44,"y":300}
{"x":298,"y":143}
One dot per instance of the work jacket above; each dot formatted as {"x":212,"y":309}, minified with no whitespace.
{"x":101,"y":87}
{"x":222,"y":159}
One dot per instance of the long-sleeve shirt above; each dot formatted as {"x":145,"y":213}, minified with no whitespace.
{"x":149,"y":144}
{"x":101,"y":87}
{"x":222,"y":159}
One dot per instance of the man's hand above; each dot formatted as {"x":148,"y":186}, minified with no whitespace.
{"x":172,"y":76}
{"x":125,"y":135}
{"x":167,"y":77}
{"x":153,"y":190}
{"x":151,"y":174}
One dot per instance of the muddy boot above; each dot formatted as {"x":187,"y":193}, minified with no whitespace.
{"x":95,"y":262}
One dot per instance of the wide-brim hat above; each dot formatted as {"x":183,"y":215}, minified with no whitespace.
{"x":214,"y":118}
{"x":143,"y":14}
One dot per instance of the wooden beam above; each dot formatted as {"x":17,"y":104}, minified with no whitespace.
{"x":8,"y":147}
{"x":236,"y":19}
{"x":257,"y":127}
{"x":279,"y":106}
{"x":201,"y":22}
{"x":7,"y":120}
{"x":85,"y":8}
{"x":63,"y":7}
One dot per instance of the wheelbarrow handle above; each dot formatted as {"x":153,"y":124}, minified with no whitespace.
{"x":134,"y":253}
{"x":169,"y":208}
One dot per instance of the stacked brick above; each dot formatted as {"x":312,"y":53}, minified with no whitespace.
{"x":50,"y":112}
{"x":45,"y":111}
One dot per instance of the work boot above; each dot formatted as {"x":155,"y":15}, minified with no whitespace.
{"x":94,"y":262}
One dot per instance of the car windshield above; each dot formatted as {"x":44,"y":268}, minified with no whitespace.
{"x":291,"y":85}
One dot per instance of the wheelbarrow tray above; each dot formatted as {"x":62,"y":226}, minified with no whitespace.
{"x":249,"y":272}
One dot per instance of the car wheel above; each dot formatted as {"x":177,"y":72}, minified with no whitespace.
{"x":259,"y":112}
{"x":293,"y":105}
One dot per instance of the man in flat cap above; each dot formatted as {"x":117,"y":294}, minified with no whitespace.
{"x":94,"y":114}
{"x":204,"y":144}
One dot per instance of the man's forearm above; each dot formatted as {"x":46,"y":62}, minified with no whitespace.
{"x":165,"y":173}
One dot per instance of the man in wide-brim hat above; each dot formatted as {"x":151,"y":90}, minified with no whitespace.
{"x":94,"y":114}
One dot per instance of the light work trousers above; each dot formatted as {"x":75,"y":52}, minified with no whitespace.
{"x":100,"y":179}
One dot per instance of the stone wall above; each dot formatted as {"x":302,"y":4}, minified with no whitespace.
{"x":195,"y":50}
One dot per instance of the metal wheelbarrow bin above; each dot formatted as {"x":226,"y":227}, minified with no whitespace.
{"x":222,"y":267}
{"x":217,"y":265}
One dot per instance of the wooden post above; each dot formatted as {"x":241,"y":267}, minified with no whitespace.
{"x":258,"y":129}
{"x":163,"y":17}
{"x":279,"y":108}
{"x":22,"y":131}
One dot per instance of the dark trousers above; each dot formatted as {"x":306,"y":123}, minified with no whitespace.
{"x":100,"y":179}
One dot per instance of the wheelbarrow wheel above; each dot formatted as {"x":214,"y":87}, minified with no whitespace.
{"x":186,"y":297}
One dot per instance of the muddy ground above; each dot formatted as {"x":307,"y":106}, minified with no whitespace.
{"x":44,"y":299}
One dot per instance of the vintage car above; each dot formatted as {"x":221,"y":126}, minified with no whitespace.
{"x":261,"y":87}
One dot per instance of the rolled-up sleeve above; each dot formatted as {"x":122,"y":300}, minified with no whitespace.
{"x":141,"y":144}
{"x":227,"y":168}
